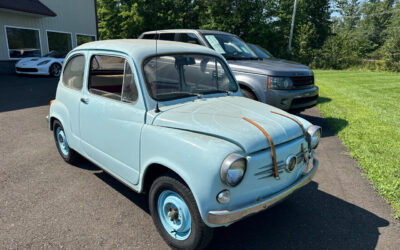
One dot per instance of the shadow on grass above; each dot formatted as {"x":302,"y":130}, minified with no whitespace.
{"x":330,"y":125}
{"x":322,"y":99}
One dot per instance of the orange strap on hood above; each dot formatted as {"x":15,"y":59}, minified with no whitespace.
{"x":302,"y":128}
{"x":271,"y":143}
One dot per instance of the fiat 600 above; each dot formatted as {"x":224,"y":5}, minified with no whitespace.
{"x":169,"y":120}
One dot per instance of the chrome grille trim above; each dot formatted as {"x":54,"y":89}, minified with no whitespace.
{"x":263,"y":174}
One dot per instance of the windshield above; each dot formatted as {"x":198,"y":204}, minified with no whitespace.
{"x":231,"y":47}
{"x":260,"y":51}
{"x":56,"y":54}
{"x":182,"y":75}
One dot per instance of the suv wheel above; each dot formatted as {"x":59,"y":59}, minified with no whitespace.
{"x":249,"y":94}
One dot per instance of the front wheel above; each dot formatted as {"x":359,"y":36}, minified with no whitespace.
{"x":55,"y":70}
{"x":176,"y":216}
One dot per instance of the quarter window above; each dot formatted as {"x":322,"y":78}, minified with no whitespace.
{"x":73,"y":72}
{"x":112,"y":77}
{"x":149,"y":36}
{"x":167,"y":36}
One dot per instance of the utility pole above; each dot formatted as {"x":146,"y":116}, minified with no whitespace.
{"x":292,"y":25}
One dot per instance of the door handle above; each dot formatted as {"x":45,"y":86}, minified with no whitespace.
{"x":85,"y":100}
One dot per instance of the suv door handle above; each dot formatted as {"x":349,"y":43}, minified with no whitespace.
{"x":85,"y":100}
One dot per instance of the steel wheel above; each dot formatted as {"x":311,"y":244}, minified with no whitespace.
{"x":174,"y":215}
{"x":62,"y":141}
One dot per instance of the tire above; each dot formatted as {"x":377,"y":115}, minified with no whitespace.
{"x":249,"y":94}
{"x":55,"y":70}
{"x":191,"y":232}
{"x":68,"y":154}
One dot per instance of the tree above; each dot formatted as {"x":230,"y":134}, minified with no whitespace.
{"x":391,"y":49}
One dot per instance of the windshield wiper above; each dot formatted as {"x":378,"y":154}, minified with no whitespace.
{"x":181,"y":94}
{"x":240,"y":58}
{"x":214,"y":91}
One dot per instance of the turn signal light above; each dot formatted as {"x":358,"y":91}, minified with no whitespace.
{"x":51,"y":102}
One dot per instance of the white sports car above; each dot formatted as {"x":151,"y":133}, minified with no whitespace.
{"x":49,"y":64}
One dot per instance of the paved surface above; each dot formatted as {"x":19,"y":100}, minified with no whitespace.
{"x":46,"y":203}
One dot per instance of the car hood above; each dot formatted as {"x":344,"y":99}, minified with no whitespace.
{"x":275,"y":67}
{"x":223,"y":118}
{"x":32,"y":60}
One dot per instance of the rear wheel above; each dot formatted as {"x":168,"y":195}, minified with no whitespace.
{"x":55,"y":70}
{"x":247,"y":93}
{"x":176,"y":216}
{"x":67,"y":153}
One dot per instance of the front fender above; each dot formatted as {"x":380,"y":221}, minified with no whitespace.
{"x":195,"y":157}
{"x":257,"y":83}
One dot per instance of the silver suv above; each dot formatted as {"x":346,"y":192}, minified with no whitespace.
{"x":283,"y":84}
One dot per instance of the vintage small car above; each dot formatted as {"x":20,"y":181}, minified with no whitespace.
{"x":168,"y":119}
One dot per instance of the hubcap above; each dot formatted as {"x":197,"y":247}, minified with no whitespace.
{"x":62,"y":141}
{"x":174,"y":215}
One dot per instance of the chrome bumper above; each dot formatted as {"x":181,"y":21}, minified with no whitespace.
{"x":226,"y":217}
{"x":48,"y":121}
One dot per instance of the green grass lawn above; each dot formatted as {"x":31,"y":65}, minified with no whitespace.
{"x":364,"y":109}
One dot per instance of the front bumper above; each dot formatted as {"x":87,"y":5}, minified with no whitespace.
{"x":38,"y":70}
{"x":48,"y":121}
{"x":226,"y":217}
{"x":292,"y":99}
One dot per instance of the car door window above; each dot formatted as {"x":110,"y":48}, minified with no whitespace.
{"x":112,"y":77}
{"x":188,"y":38}
{"x":73,"y":72}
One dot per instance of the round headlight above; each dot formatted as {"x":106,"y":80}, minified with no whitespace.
{"x":315,"y":134}
{"x":233,"y":169}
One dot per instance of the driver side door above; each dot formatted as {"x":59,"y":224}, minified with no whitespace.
{"x":112,"y":115}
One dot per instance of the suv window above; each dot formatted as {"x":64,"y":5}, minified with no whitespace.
{"x":149,"y":36}
{"x":167,"y":36}
{"x":188,"y":38}
{"x":112,"y":77}
{"x":73,"y":72}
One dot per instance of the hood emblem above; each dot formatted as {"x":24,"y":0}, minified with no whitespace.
{"x":291,"y":162}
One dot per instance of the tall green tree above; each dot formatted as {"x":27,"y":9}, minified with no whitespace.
{"x":391,"y":49}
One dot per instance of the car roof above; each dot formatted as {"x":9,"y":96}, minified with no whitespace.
{"x":139,"y":49}
{"x":188,"y":30}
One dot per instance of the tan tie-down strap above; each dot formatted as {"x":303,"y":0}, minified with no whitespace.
{"x":302,"y":128}
{"x":271,"y":143}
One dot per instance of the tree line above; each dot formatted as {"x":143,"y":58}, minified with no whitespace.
{"x":332,"y":34}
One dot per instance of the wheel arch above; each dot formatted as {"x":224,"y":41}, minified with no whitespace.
{"x":155,"y":170}
{"x":247,"y":87}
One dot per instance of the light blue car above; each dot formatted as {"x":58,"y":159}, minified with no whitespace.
{"x":171,"y":122}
